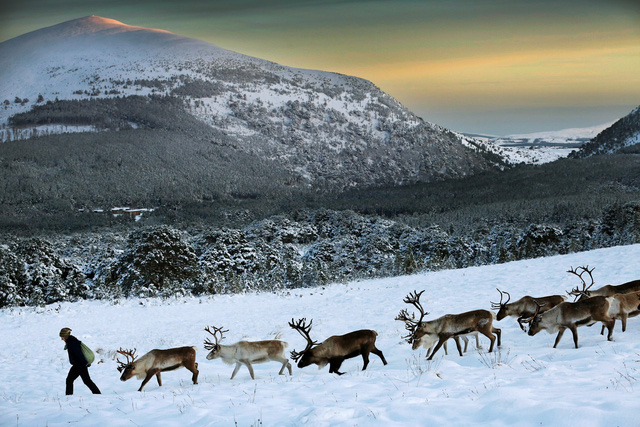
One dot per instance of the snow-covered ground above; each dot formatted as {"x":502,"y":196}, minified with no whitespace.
{"x":525,"y":383}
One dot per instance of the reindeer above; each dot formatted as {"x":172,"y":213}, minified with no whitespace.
{"x":246,"y":352}
{"x":430,"y":341}
{"x":525,"y":307}
{"x":157,"y":361}
{"x":335,"y":349}
{"x":605,"y":291}
{"x":447,"y":326}
{"x":571,"y":315}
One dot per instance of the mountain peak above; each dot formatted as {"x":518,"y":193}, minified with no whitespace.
{"x":91,"y":24}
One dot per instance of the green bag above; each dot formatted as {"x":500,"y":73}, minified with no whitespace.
{"x":87,"y":353}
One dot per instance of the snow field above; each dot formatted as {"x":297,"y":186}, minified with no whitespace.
{"x":526,"y":382}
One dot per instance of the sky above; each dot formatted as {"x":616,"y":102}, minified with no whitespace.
{"x":478,"y":66}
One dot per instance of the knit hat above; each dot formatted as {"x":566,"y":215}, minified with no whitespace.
{"x":65,"y":332}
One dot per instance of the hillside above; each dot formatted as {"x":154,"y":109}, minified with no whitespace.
{"x":322,"y":130}
{"x":624,"y":134}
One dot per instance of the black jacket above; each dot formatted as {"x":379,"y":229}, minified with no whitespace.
{"x":75,"y":352}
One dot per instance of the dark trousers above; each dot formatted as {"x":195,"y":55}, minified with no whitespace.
{"x":82,"y":372}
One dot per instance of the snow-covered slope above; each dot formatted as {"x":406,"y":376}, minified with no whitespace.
{"x":525,"y":383}
{"x":621,"y":134}
{"x":323,"y":126}
{"x":539,"y":147}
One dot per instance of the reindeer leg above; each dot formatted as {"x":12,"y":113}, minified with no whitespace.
{"x":477,"y":342}
{"x":150,"y":375}
{"x":623,"y":320}
{"x":466,"y":343}
{"x":498,"y":332}
{"x":365,"y":360}
{"x":379,"y":354}
{"x":442,"y":340}
{"x":194,"y":370}
{"x":521,"y":323}
{"x":560,"y":333}
{"x":457,"y":340}
{"x":159,"y":379}
{"x":250,"y":368}
{"x":610,"y":325}
{"x":334,"y":365}
{"x":235,"y":371}
{"x":602,"y":330}
{"x":194,"y":378}
{"x":446,"y":350}
{"x":285,"y":364}
{"x":574,"y":332}
{"x":487,"y":333}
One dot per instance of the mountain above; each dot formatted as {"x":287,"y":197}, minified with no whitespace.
{"x":120,"y":83}
{"x":539,"y":147}
{"x":620,"y":135}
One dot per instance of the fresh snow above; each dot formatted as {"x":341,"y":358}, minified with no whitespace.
{"x":525,"y":383}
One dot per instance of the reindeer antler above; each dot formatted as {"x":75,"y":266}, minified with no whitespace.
{"x":496,"y":305}
{"x":217,"y":335}
{"x":410,"y":324}
{"x":585,"y":289}
{"x":304,"y":331}
{"x":128,"y":354}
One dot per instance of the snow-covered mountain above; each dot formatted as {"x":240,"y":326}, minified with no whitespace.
{"x":620,"y":135}
{"x":539,"y":147}
{"x":329,"y":130}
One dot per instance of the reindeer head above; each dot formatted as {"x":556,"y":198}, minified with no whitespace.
{"x":214,"y":347}
{"x":584,"y":292}
{"x":535,"y":321}
{"x":128,"y":368}
{"x":306,"y":356}
{"x":501,"y":306}
{"x":416,"y":329}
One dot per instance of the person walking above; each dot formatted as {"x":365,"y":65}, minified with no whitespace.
{"x":79,"y":364}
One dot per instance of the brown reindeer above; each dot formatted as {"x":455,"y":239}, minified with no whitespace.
{"x":525,"y":307}
{"x":246,"y":352}
{"x":157,"y":361}
{"x":447,"y":326}
{"x":570,"y":315}
{"x":335,"y":349}
{"x":605,"y":291}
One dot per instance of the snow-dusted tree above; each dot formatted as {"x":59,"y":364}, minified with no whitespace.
{"x":539,"y":240}
{"x":621,"y":224}
{"x":157,"y":261}
{"x":49,"y":278}
{"x":232,"y":263}
{"x":12,"y":279}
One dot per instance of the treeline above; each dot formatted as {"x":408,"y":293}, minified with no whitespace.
{"x":197,"y":181}
{"x":308,"y":248}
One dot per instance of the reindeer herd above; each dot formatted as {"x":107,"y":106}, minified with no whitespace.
{"x":551,"y":313}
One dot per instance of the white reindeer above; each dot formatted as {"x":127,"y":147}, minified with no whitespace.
{"x":246,"y":352}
